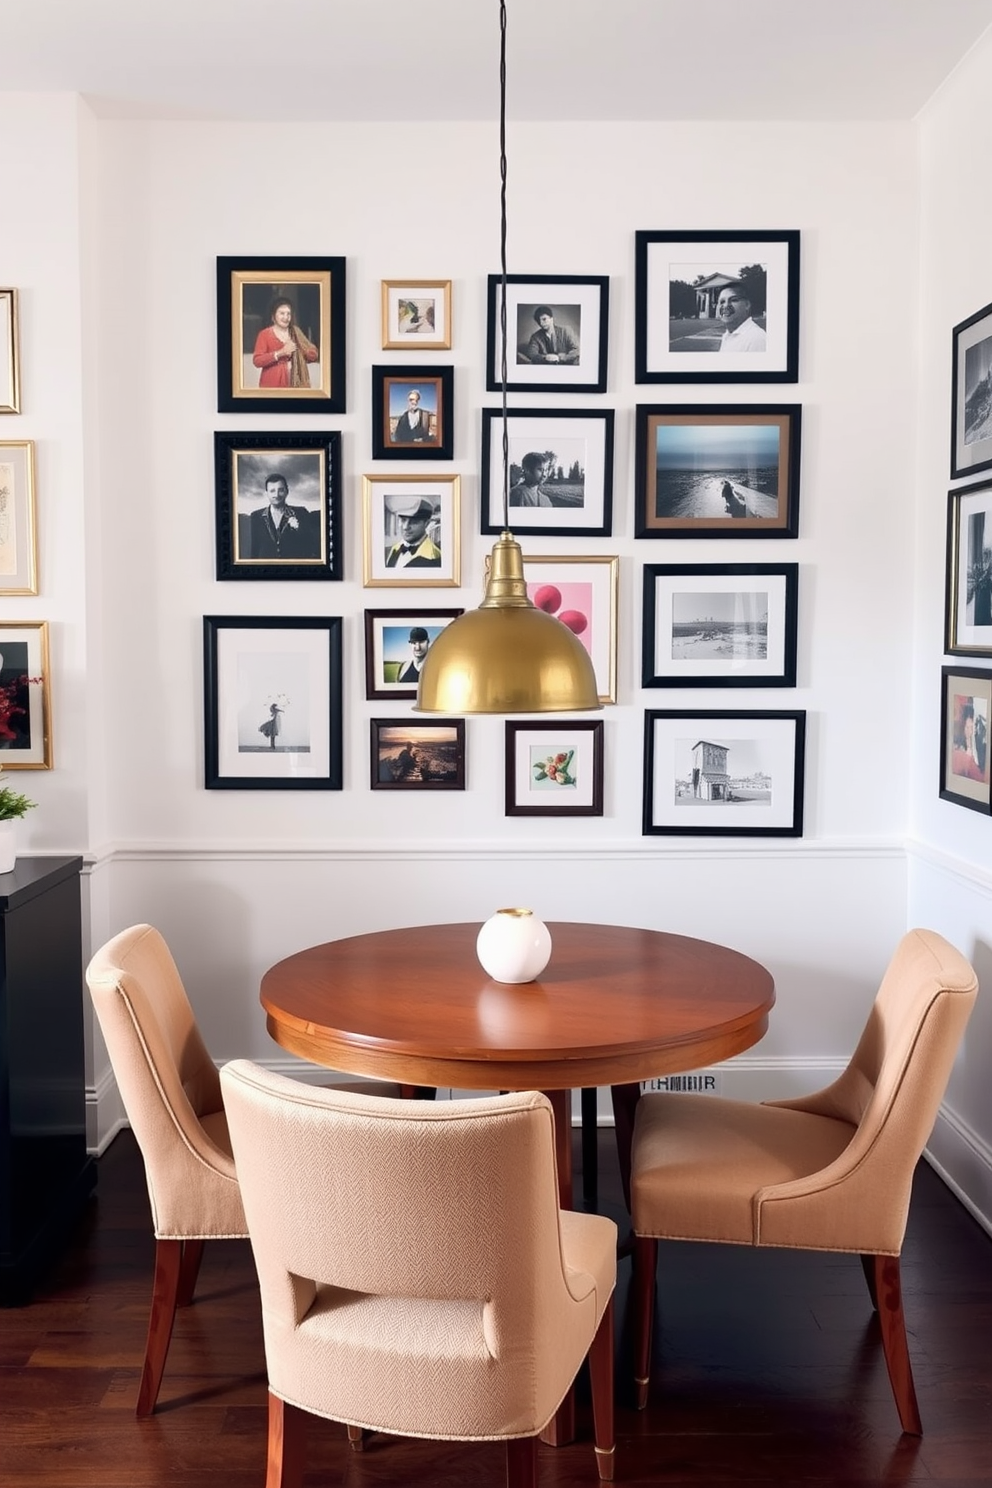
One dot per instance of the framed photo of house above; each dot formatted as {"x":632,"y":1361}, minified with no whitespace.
{"x":10,"y":394}
{"x":554,"y":768}
{"x":272,"y":702}
{"x":396,"y":646}
{"x":278,"y":506}
{"x":412,"y":413}
{"x":725,"y":471}
{"x":716,"y":307}
{"x":411,"y":531}
{"x":18,"y":523}
{"x":418,"y":756}
{"x":969,"y":571}
{"x":281,"y":335}
{"x":557,"y":329}
{"x":416,"y":314}
{"x":560,"y":471}
{"x":25,"y":696}
{"x":965,"y":721}
{"x":582,"y":593}
{"x":719,"y":624}
{"x":732,"y":774}
{"x":971,"y":394}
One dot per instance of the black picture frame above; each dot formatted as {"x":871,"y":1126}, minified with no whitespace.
{"x":719,"y":624}
{"x":580,"y":306}
{"x":965,"y":762}
{"x":389,"y":631}
{"x":554,"y":767}
{"x":310,"y":465}
{"x":247,"y":291}
{"x":392,"y":388}
{"x":580,"y":490}
{"x":252,"y":665}
{"x":717,"y":470}
{"x":968,"y":571}
{"x":672,"y":267}
{"x":971,"y":394}
{"x":436,"y":753}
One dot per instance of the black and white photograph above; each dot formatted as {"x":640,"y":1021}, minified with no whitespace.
{"x":397,"y":643}
{"x":410,"y":755}
{"x":556,"y":333}
{"x":10,"y":398}
{"x":716,"y":307}
{"x":272,"y":703}
{"x":720,"y":625}
{"x":971,"y":394}
{"x":969,"y":571}
{"x":411,"y":530}
{"x":733,"y":774}
{"x":416,"y":313}
{"x":278,"y":506}
{"x":560,"y":471}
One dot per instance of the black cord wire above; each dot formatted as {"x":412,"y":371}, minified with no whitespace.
{"x":502,"y":256}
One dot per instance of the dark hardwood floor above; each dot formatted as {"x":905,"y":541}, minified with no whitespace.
{"x":768,"y":1370}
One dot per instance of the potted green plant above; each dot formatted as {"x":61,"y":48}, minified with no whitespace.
{"x":13,"y":805}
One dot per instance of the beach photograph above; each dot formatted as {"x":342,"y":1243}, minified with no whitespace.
{"x":720,"y":627}
{"x":717,"y":470}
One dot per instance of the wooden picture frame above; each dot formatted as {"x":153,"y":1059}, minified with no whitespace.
{"x":561,"y":471}
{"x":421,"y":511}
{"x":413,"y":755}
{"x":395,"y":642}
{"x":720,"y":624}
{"x":18,"y":518}
{"x":258,"y":475}
{"x":557,"y":330}
{"x":25,"y":696}
{"x":416,"y":314}
{"x":968,"y":580}
{"x":554,"y":768}
{"x":966,"y":737}
{"x":971,"y":394}
{"x":413,"y":413}
{"x":10,"y":374}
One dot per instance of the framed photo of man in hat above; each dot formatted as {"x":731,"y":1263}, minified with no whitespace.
{"x":412,"y":413}
{"x":396,"y":647}
{"x":411,"y":534}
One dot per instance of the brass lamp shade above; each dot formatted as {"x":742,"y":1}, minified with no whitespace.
{"x":507,"y":656}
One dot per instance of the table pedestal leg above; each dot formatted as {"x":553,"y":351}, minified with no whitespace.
{"x":560,"y":1430}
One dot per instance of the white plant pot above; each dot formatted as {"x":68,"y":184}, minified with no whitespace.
{"x":8,"y":845}
{"x":514,"y":946}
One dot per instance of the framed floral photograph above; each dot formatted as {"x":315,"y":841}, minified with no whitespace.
{"x":18,"y":525}
{"x":971,"y":394}
{"x":412,"y":413}
{"x":582,"y":593}
{"x":281,"y":335}
{"x":10,"y":393}
{"x":968,"y":586}
{"x":416,"y":314}
{"x":719,"y":624}
{"x":725,"y":471}
{"x":731,"y":774}
{"x":965,"y":720}
{"x":556,"y":333}
{"x":25,"y":696}
{"x":716,"y":306}
{"x":411,"y":531}
{"x":278,"y":506}
{"x":554,"y":768}
{"x":560,"y":471}
{"x":396,"y":647}
{"x":418,"y":756}
{"x":272,"y":702}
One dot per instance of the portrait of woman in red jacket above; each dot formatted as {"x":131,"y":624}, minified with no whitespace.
{"x":282,"y":352}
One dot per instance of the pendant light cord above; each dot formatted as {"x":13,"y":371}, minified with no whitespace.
{"x":502,"y":257}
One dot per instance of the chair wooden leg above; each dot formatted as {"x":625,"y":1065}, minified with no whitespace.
{"x":888,"y":1289}
{"x":590,"y":1148}
{"x":287,"y":1444}
{"x":357,"y":1438}
{"x":189,"y":1271}
{"x":642,"y":1302}
{"x":521,"y":1462}
{"x":868,"y":1267}
{"x":601,"y":1381}
{"x":165,"y":1293}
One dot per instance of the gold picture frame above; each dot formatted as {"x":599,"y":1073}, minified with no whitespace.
{"x":10,"y":393}
{"x":389,"y":504}
{"x":18,"y":523}
{"x":581,"y":589}
{"x":25,"y":696}
{"x":416,"y":313}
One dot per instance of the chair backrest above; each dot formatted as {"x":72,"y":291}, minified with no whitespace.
{"x":168,"y":1084}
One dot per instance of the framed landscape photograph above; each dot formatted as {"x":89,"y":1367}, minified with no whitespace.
{"x":278,"y":506}
{"x":969,"y":571}
{"x":731,"y":774}
{"x":971,"y":394}
{"x":418,"y":756}
{"x":554,"y":768}
{"x":396,"y":646}
{"x":716,"y":306}
{"x":10,"y":394}
{"x":560,"y":470}
{"x":720,"y":624}
{"x":557,"y":328}
{"x":411,"y":531}
{"x":416,"y":313}
{"x":25,"y":696}
{"x":18,"y":525}
{"x":281,"y":335}
{"x":272,"y":702}
{"x":965,"y":719}
{"x":412,"y":413}
{"x":582,"y":593}
{"x":725,"y":471}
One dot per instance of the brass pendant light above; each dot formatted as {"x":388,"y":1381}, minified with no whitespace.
{"x":507,"y":656}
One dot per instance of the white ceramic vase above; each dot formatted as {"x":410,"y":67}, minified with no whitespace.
{"x":8,"y":844}
{"x":514,"y":946}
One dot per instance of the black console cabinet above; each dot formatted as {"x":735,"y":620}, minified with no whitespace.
{"x":45,"y":1173}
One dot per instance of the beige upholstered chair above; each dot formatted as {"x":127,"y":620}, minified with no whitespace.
{"x":417,"y":1275}
{"x":830,"y":1171}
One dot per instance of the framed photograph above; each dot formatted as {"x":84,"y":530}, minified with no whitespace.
{"x":727,"y":471}
{"x":561,"y":471}
{"x":281,"y":335}
{"x":723,"y":774}
{"x":411,"y":532}
{"x":965,"y":719}
{"x":720,"y":624}
{"x":278,"y":506}
{"x":582,"y":592}
{"x":18,"y":527}
{"x":971,"y":394}
{"x":10,"y":394}
{"x":412,"y":413}
{"x":272,"y":702}
{"x":396,"y":645}
{"x":25,"y":697}
{"x":554,"y":768}
{"x":716,"y":307}
{"x":416,"y":314}
{"x":418,"y":756}
{"x":969,"y":571}
{"x":556,"y":333}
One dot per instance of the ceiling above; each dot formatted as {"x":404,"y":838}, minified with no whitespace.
{"x":438,"y":59}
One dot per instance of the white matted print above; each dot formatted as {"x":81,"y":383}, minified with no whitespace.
{"x":582,"y":593}
{"x":411,"y":531}
{"x":560,"y":471}
{"x":416,"y":313}
{"x":556,"y":333}
{"x":18,"y":541}
{"x":720,"y":625}
{"x":25,"y":697}
{"x":554,"y":768}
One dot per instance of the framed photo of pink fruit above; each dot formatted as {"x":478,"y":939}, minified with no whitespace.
{"x":554,"y":768}
{"x":582,"y":593}
{"x":560,"y":471}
